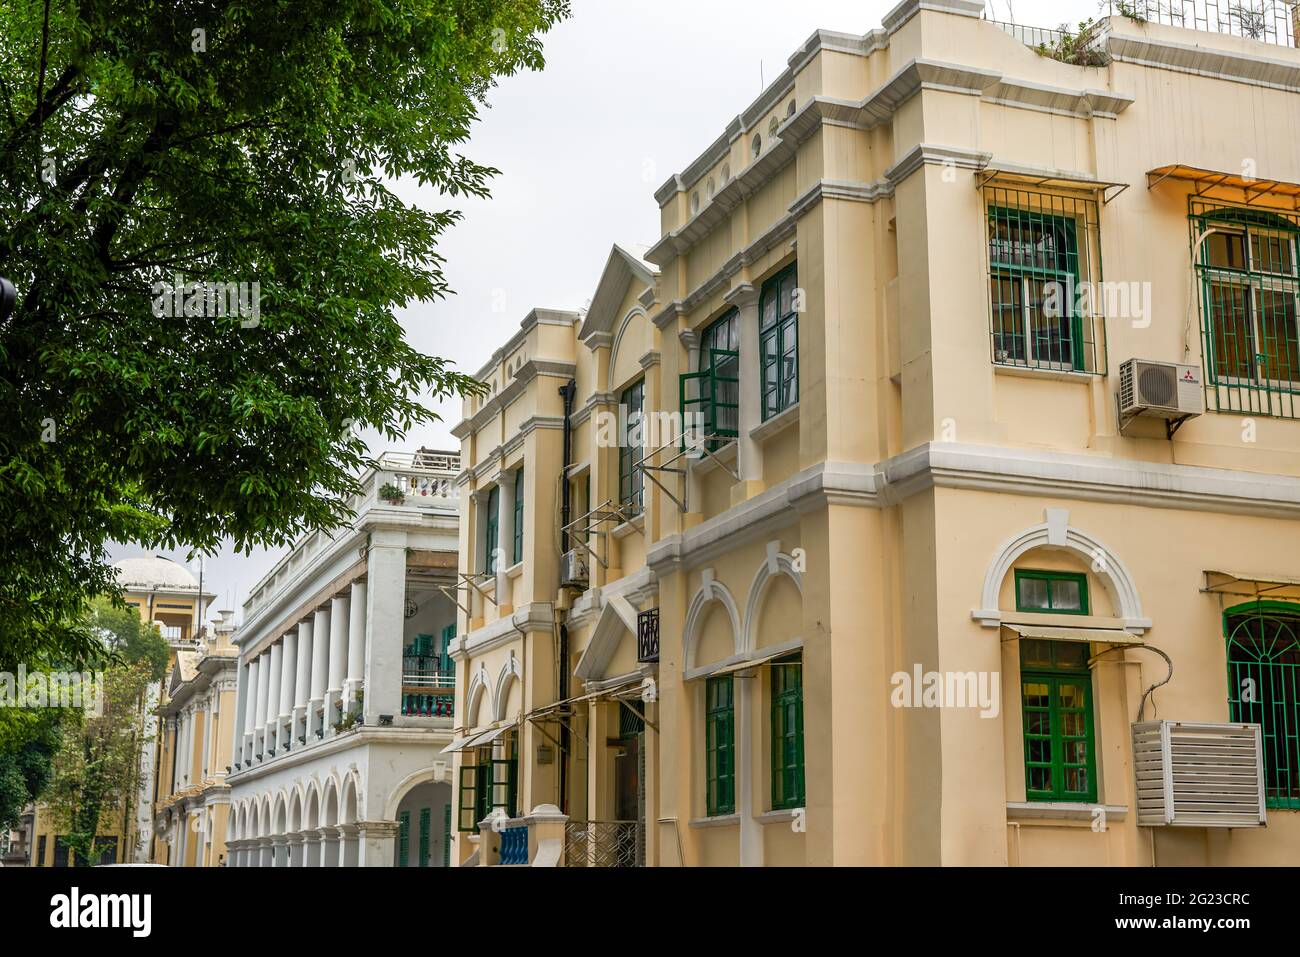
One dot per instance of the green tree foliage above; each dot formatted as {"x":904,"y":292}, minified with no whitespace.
{"x":29,"y":739}
{"x":97,"y":769}
{"x":244,"y":141}
{"x":127,"y":638}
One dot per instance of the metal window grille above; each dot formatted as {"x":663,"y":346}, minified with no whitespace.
{"x":1247,"y":262}
{"x":1045,"y":281}
{"x":647,"y":635}
{"x":1264,"y":689}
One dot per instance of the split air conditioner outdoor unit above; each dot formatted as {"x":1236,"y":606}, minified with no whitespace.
{"x":1166,"y":390}
{"x":1199,"y":775}
{"x":573,"y":569}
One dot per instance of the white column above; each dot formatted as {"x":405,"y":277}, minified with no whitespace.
{"x":338,"y":659}
{"x":356,"y":642}
{"x":505,"y":533}
{"x":263,"y":699}
{"x":273,"y":699}
{"x":750,"y":463}
{"x":320,"y":649}
{"x":241,"y":703}
{"x":288,"y":672}
{"x":302,"y":684}
{"x":385,"y":619}
{"x":182,"y":749}
{"x":254,"y":709}
{"x":204,"y":770}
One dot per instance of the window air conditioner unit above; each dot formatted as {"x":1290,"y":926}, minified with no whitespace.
{"x":1199,"y":775}
{"x":1166,"y":390}
{"x":573,"y":569}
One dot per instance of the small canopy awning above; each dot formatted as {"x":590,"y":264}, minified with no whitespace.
{"x":1252,"y":586}
{"x":1048,"y":178}
{"x":477,"y":740}
{"x":1205,"y":180}
{"x":1112,"y":636}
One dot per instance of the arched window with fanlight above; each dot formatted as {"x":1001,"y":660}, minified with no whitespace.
{"x":1264,"y":689}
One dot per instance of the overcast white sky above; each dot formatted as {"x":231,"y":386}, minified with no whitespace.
{"x":632,"y":92}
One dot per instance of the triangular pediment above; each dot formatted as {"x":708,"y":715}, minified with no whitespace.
{"x":616,"y":624}
{"x":623,"y":269}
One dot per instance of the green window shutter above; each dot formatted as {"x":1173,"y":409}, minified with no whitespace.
{"x":1057,"y":593}
{"x":787,"y":733}
{"x":720,"y":746}
{"x":444,"y":649}
{"x":403,"y":837}
{"x":715,"y":404}
{"x":424,"y":836}
{"x":446,"y":835}
{"x":492,"y":526}
{"x":779,"y":342}
{"x":631,"y":447}
{"x":518,"y":552}
{"x":1264,"y":689}
{"x":483,"y":785}
{"x":1057,"y":715}
{"x":468,"y":804}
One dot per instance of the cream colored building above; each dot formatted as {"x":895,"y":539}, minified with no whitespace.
{"x":945,"y":543}
{"x":191,"y":803}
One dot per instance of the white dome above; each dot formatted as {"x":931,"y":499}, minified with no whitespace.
{"x":152,"y":573}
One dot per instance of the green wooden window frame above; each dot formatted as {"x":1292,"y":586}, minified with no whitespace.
{"x":778,"y":342}
{"x":517,"y":553}
{"x":720,"y":745}
{"x":487,"y":784}
{"x":1250,"y":306}
{"x":1263,"y":648}
{"x":711,"y":394}
{"x":1058,"y":724}
{"x":426,"y":820}
{"x":631,"y":480}
{"x":1028,"y":251}
{"x":787,"y":733}
{"x":446,"y":835}
{"x":1052,"y":585}
{"x":467,"y":802}
{"x":403,"y":837}
{"x":492,"y":530}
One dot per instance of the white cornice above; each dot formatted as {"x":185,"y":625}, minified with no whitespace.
{"x":895,"y":19}
{"x":1236,"y":67}
{"x":928,"y":154}
{"x":1026,"y":472}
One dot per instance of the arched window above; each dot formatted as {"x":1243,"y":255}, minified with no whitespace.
{"x":1264,"y":689}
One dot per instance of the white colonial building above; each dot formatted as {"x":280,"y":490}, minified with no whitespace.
{"x":345,"y":686}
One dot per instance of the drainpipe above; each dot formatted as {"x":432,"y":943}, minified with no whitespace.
{"x":1295,"y":24}
{"x":568,"y":391}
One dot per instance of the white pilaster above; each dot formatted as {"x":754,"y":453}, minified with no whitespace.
{"x":356,"y":642}
{"x":385,"y":620}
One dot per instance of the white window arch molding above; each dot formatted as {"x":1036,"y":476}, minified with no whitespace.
{"x":618,"y":338}
{"x":1057,"y":533}
{"x":510,"y":671}
{"x":478,"y":687}
{"x":774,"y":566}
{"x":711,"y":590}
